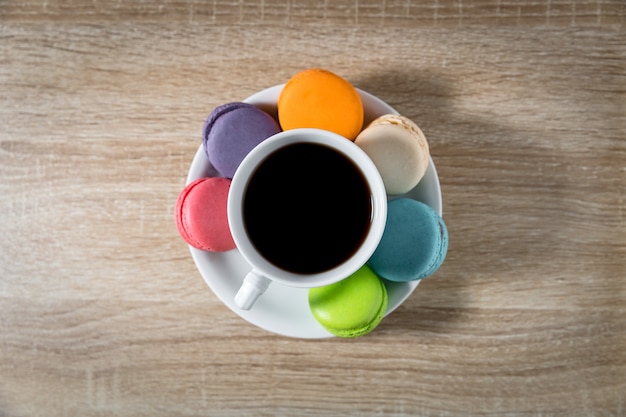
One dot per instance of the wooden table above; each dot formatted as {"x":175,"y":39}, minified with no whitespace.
{"x":103,"y":312}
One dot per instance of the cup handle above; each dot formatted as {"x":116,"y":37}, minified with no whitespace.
{"x":253,"y":286}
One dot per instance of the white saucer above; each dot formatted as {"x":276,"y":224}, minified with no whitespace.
{"x":285,"y":310}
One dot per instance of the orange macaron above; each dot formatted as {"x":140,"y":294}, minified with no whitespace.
{"x":317,"y":98}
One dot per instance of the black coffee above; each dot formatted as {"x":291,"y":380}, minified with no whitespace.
{"x":307,"y":208}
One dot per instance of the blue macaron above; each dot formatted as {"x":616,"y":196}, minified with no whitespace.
{"x":414,"y":243}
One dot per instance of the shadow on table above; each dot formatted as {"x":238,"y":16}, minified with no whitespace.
{"x":519,"y":201}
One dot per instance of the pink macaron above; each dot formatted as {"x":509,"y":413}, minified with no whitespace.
{"x":201,"y":215}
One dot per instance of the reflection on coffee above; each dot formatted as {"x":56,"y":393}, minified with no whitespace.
{"x":307,"y":208}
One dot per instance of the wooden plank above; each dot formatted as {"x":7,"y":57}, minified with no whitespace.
{"x":102,"y":311}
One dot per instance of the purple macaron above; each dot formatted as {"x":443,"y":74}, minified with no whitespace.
{"x":231,"y":131}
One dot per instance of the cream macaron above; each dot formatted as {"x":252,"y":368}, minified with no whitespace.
{"x":398,"y":148}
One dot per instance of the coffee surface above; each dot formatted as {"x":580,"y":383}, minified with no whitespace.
{"x":307,"y":208}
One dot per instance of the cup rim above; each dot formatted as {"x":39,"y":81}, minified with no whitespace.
{"x":249,"y":165}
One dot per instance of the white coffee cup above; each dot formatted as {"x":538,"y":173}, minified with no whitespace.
{"x":264,"y":271}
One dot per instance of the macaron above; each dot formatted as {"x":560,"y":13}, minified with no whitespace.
{"x":398,"y":148}
{"x":201,"y":215}
{"x":414,"y":243}
{"x":351,"y":307}
{"x":317,"y":98}
{"x":231,"y":131}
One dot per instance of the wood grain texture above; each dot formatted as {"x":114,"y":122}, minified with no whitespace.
{"x":596,"y":13}
{"x":102,"y":311}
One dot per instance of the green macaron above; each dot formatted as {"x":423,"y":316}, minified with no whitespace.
{"x":351,"y":307}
